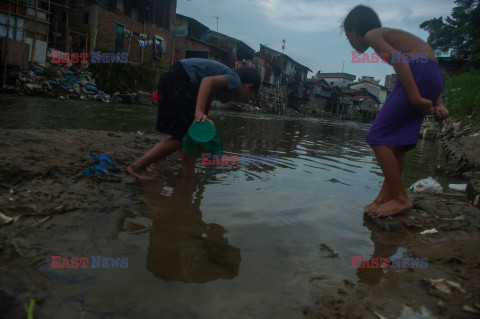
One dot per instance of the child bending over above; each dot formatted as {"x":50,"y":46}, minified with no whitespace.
{"x":417,"y":93}
{"x":182,"y":93}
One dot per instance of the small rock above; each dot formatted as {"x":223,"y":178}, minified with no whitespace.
{"x":33,"y":87}
{"x":473,"y":191}
{"x":471,"y":175}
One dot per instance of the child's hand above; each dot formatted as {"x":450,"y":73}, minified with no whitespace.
{"x":202,"y":117}
{"x":441,"y":113}
{"x":424,"y":106}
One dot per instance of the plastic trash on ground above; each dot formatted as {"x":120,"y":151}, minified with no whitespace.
{"x":458,"y":187}
{"x":429,"y":231}
{"x":427,"y":185}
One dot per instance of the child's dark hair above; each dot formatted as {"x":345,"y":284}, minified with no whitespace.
{"x":361,"y":20}
{"x":249,"y":76}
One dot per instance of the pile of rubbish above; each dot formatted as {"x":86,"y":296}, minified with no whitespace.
{"x":56,"y":82}
{"x":446,"y":130}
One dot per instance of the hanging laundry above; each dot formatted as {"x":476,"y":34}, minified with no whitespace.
{"x":158,"y":52}
{"x":141,"y":43}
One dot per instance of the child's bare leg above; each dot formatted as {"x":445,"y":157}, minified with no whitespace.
{"x":188,"y":164}
{"x":382,"y":197}
{"x":392,"y":162}
{"x":159,"y":151}
{"x":385,"y":193}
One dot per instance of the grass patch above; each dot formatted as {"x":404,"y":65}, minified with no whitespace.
{"x":462,"y":96}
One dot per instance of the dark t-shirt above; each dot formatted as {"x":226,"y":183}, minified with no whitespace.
{"x":198,"y":68}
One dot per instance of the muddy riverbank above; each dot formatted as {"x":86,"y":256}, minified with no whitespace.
{"x":57,"y":211}
{"x":445,"y":229}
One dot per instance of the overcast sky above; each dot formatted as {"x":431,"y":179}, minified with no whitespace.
{"x":311,"y":28}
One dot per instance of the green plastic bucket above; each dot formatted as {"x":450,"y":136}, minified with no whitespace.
{"x":201,"y":138}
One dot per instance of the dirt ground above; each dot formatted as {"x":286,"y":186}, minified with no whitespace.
{"x":43,"y":189}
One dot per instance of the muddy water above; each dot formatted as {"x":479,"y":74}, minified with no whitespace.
{"x":240,"y":241}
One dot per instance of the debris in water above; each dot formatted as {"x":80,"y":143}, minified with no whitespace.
{"x":429,"y":231}
{"x":445,"y":286}
{"x":327,"y":252}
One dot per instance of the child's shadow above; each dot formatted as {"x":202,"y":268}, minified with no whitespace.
{"x":182,"y":247}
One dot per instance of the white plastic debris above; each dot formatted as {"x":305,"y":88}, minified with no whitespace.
{"x":429,"y":231}
{"x":446,"y":286}
{"x":4,"y":219}
{"x":458,"y":187}
{"x":470,"y":309}
{"x":427,"y":185}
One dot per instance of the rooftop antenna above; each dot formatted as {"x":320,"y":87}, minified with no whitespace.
{"x":217,"y":21}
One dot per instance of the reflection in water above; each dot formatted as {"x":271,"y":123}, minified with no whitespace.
{"x":182,"y":247}
{"x":386,"y":244}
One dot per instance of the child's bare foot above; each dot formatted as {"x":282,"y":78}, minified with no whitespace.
{"x":392,"y":207}
{"x":372,"y":206}
{"x":140,"y":174}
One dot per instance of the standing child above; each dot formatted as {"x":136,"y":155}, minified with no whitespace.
{"x":417,"y":93}
{"x":182,"y":93}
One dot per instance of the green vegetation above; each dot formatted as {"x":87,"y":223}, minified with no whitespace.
{"x":458,"y":34}
{"x":356,"y":115}
{"x":462,"y":96}
{"x":29,"y":309}
{"x":125,"y":77}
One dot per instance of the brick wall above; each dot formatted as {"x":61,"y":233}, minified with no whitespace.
{"x":105,"y":40}
{"x":180,"y":47}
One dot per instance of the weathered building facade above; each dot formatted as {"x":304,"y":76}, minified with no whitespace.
{"x":379,"y":91}
{"x":283,"y":73}
{"x":140,"y":28}
{"x":337,"y":79}
{"x":319,"y":94}
{"x":27,"y":26}
{"x":196,"y":40}
{"x":390,"y":81}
